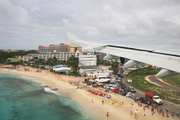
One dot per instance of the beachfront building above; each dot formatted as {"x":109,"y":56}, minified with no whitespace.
{"x":61,"y":52}
{"x":87,"y":60}
{"x":69,"y":47}
{"x":95,"y":71}
{"x":60,"y":56}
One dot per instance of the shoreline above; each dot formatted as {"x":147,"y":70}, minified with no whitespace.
{"x":117,"y":111}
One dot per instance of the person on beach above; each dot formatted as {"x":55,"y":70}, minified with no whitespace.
{"x":172,"y":114}
{"x":107,"y":114}
{"x":177,"y":113}
{"x":162,"y":113}
{"x":102,"y":102}
{"x":92,"y":100}
{"x":136,"y":116}
{"x":160,"y":110}
{"x":152,"y":109}
{"x":144,"y":108}
{"x":131,"y":112}
{"x":121,"y":103}
{"x":147,"y":106}
{"x":166,"y":109}
{"x":152,"y":105}
{"x":167,"y":114}
{"x":153,"y":113}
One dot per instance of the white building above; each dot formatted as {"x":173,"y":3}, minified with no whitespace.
{"x":60,"y":56}
{"x":95,"y":71}
{"x":87,"y":60}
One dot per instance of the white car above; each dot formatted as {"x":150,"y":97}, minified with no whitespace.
{"x":128,"y":94}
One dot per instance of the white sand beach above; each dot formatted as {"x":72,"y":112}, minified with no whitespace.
{"x":116,"y":111}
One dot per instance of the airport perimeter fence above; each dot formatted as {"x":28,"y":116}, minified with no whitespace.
{"x":162,"y":92}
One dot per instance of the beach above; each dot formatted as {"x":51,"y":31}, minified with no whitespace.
{"x":116,"y":111}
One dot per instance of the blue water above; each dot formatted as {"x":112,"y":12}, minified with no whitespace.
{"x":60,"y":66}
{"x":24,"y":99}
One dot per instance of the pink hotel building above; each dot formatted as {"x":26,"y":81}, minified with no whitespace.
{"x":61,"y":52}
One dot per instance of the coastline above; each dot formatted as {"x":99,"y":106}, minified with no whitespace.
{"x":117,"y":111}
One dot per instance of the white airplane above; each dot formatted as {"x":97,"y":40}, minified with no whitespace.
{"x":168,"y":61}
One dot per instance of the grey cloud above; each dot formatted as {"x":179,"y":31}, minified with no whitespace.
{"x":139,"y":22}
{"x":13,"y":15}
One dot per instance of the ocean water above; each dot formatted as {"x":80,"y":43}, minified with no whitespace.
{"x":25,"y":99}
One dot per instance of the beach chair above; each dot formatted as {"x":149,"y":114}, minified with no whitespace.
{"x":116,"y":101}
{"x":112,"y":99}
{"x":119,"y":102}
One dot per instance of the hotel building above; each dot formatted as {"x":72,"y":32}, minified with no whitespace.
{"x":61,"y":52}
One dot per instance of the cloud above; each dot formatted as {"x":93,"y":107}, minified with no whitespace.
{"x":17,"y":14}
{"x":35,"y":22}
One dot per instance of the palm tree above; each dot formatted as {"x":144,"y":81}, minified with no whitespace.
{"x":73,"y":62}
{"x":115,"y":67}
{"x":50,"y":62}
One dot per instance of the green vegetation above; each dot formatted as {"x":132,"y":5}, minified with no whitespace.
{"x":73,"y":62}
{"x":115,"y":66}
{"x":173,"y":80}
{"x":139,"y":82}
{"x":5,"y":55}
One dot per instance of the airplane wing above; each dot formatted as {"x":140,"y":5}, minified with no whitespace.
{"x":168,"y":61}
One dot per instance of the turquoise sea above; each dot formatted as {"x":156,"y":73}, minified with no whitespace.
{"x":24,"y":99}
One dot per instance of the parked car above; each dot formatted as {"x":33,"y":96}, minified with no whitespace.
{"x":133,"y":96}
{"x":120,"y":82}
{"x":131,"y":89}
{"x":123,"y":85}
{"x":114,"y":77}
{"x":108,"y":86}
{"x":128,"y":94}
{"x":145,"y":100}
{"x":115,"y":89}
{"x":112,"y":82}
{"x":114,"y":86}
{"x":124,"y":93}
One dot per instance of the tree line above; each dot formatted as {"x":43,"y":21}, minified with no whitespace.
{"x":5,"y":55}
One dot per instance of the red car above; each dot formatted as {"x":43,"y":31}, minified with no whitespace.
{"x":115,"y":89}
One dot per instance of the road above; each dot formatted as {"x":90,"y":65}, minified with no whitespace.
{"x":171,"y":107}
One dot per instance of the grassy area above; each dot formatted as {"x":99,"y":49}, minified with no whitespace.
{"x":140,"y":83}
{"x":173,"y":80}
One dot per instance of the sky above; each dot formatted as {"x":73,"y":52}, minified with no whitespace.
{"x":26,"y":24}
